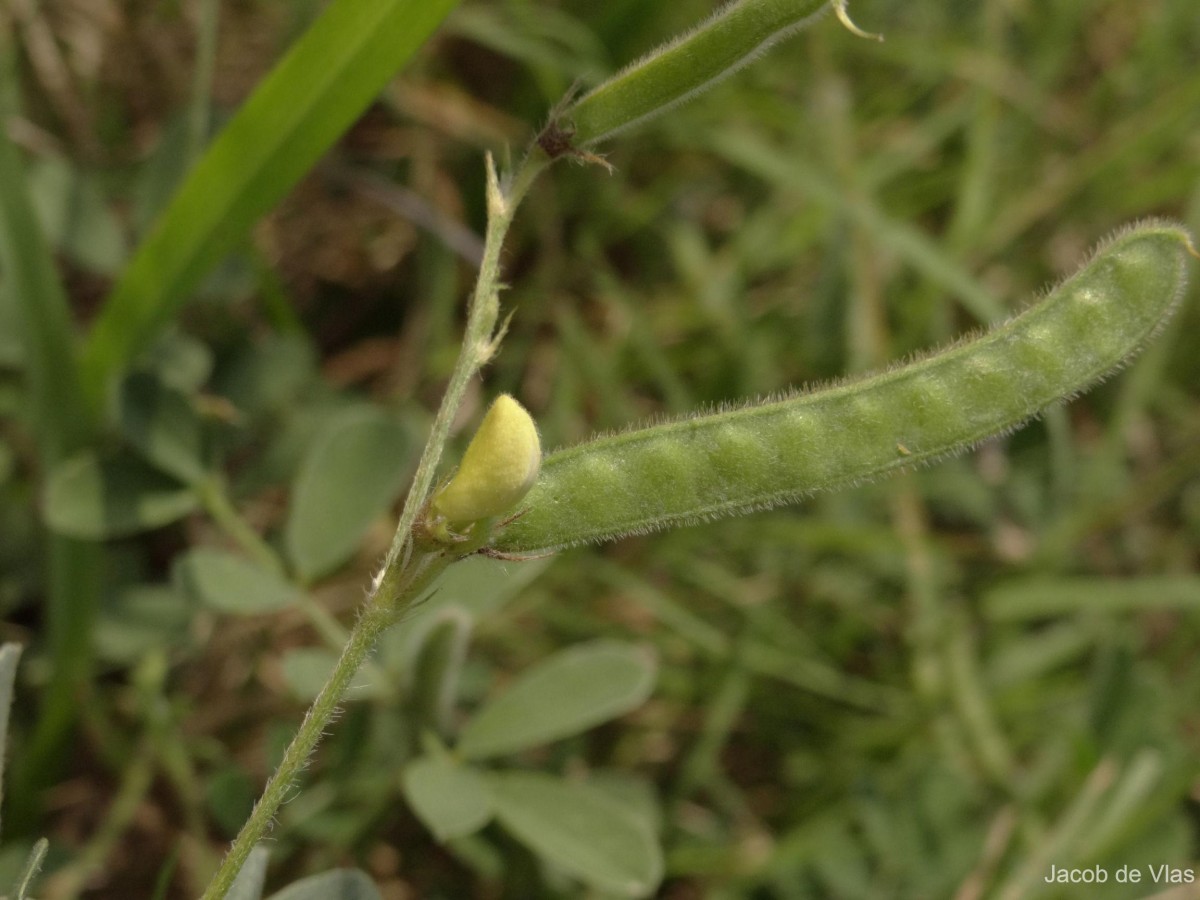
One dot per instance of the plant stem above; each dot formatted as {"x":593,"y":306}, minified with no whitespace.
{"x":390,"y":599}
{"x":479,"y":341}
{"x":136,"y":781}
{"x":408,"y":571}
{"x":217,"y":504}
{"x":372,"y":621}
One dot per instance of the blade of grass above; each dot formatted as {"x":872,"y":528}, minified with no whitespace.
{"x":61,"y":427}
{"x":917,"y":249}
{"x":10,"y":655}
{"x":1151,"y":133}
{"x":307,"y":101}
{"x":199,"y":111}
{"x":39,"y":301}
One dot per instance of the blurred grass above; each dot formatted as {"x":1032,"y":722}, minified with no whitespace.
{"x":60,"y":425}
{"x":861,"y":697}
{"x":327,"y":78}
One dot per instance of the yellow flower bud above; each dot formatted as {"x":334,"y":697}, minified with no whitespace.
{"x":500,"y":466}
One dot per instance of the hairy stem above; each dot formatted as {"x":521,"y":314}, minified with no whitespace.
{"x":408,"y":571}
{"x":391,"y":598}
{"x":479,"y":342}
{"x":370,"y":624}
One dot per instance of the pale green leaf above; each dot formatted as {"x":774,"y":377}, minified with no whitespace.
{"x":350,"y":477}
{"x":449,"y":798}
{"x":581,"y":830}
{"x":570,"y":692}
{"x":94,"y":498}
{"x":230,"y":583}
{"x":340,"y":884}
{"x":75,"y":217}
{"x":179,"y":361}
{"x":138,"y":619}
{"x":162,"y":424}
{"x":251,"y":878}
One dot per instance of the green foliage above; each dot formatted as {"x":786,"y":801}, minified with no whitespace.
{"x":39,"y":305}
{"x":584,"y":828}
{"x":10,"y":656}
{"x":93,"y":497}
{"x":228,"y":583}
{"x":349,"y":477}
{"x":311,"y":97}
{"x":55,"y":406}
{"x":572,"y":691}
{"x":935,"y":685}
{"x":75,"y":217}
{"x":344,"y":884}
{"x":451,"y":799}
{"x":162,"y":424}
{"x":584,"y":831}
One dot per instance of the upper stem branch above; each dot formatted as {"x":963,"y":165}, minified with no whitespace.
{"x":408,"y":570}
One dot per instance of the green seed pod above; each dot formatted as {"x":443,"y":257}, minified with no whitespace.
{"x":500,"y":466}
{"x":779,"y":450}
{"x":677,"y":71}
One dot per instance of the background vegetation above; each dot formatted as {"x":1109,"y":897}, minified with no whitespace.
{"x":931,"y":687}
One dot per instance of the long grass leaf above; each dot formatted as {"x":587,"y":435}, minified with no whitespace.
{"x":39,"y":303}
{"x":307,"y":101}
{"x":906,"y":241}
{"x":62,"y":427}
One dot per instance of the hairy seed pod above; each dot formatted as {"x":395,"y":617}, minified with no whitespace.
{"x":677,"y":71}
{"x":498,"y":469}
{"x":778,"y":451}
